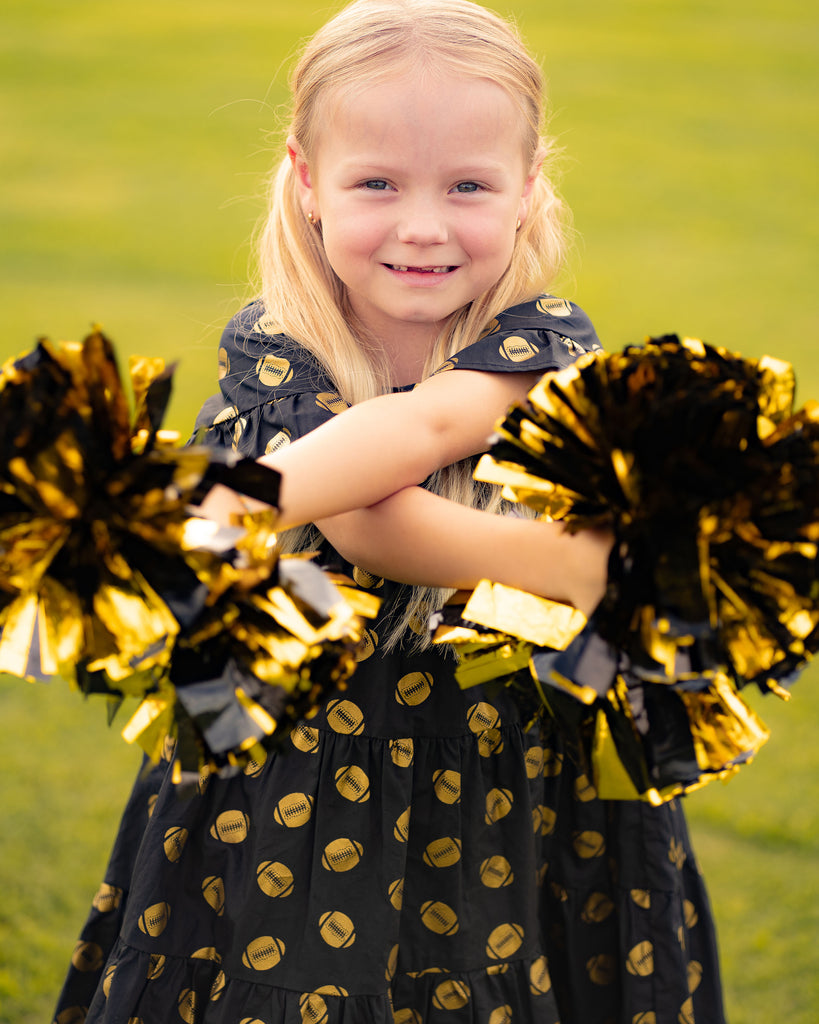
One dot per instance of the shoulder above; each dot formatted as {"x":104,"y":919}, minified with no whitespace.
{"x":543,"y":334}
{"x":550,"y":315}
{"x":258,"y":362}
{"x":272,"y":389}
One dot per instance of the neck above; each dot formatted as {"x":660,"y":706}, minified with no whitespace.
{"x":406,"y":351}
{"x":407,"y":366}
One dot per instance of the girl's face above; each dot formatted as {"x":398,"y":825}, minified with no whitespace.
{"x":419,"y":183}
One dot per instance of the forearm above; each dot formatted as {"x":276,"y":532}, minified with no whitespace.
{"x":389,"y":443}
{"x":354,"y":460}
{"x":420,"y":538}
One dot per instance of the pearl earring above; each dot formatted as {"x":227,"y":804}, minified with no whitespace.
{"x":312,"y":218}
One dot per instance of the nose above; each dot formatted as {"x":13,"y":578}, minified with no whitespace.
{"x":422,"y":222}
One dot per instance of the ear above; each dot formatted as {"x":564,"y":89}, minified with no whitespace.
{"x":304,"y":179}
{"x":529,"y":185}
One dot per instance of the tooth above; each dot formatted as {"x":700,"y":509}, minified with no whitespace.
{"x":419,"y":270}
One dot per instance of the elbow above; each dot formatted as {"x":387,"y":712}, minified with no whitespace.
{"x":349,"y":536}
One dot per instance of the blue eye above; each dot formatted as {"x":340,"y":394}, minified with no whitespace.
{"x":467,"y":186}
{"x":376,"y":184}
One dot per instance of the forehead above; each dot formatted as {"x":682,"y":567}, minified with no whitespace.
{"x":424,"y":115}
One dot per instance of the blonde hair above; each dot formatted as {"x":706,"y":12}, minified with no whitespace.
{"x":366,"y":42}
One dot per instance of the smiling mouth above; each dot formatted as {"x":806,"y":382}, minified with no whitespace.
{"x":419,"y":270}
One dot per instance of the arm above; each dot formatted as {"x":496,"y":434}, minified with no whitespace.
{"x":418,"y":537}
{"x":392,"y":442}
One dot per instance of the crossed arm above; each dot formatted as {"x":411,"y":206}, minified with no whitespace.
{"x":355,"y":478}
{"x":380,"y":447}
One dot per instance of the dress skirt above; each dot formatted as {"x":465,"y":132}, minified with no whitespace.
{"x":412,"y":854}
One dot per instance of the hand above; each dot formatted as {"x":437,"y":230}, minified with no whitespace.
{"x":588,"y":552}
{"x":223,"y":505}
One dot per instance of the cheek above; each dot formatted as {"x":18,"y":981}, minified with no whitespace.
{"x":491,"y":241}
{"x":349,"y":238}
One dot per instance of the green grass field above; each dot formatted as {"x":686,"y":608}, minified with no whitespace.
{"x":135,"y":140}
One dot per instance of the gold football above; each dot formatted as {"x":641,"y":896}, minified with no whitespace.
{"x":330,"y":401}
{"x":274,"y":879}
{"x":543,"y":820}
{"x":447,"y":785}
{"x":552,"y":763}
{"x":540,"y":980}
{"x":451,"y":995}
{"x":583,"y":789}
{"x":482,"y":716}
{"x":156,"y":965}
{"x":596,"y":908}
{"x":366,"y":580}
{"x":218,"y":986}
{"x":401,"y":829}
{"x":395,"y":892}
{"x":294,"y":810}
{"x":640,"y":959}
{"x":686,"y":1014}
{"x":263,"y":953}
{"x":313,"y":1009}
{"x":341,"y":854}
{"x":174,"y":844}
{"x":533,"y":760}
{"x":107,"y":898}
{"x":337,"y":929}
{"x":279,"y":440}
{"x":496,"y":872}
{"x":206,"y":953}
{"x":498,"y":805}
{"x":273,"y":371}
{"x":413,"y":688}
{"x":230,"y":827}
{"x":442,"y":853}
{"x":407,"y":1016}
{"x":345,"y":717}
{"x":87,"y":956}
{"x":490,"y":742}
{"x":439,"y":917}
{"x":516,"y":349}
{"x":588,"y":844}
{"x":154,"y":919}
{"x":367,"y":645}
{"x":353,"y":783}
{"x":213,"y":889}
{"x":402,"y":752}
{"x":504,"y":941}
{"x":642,"y":897}
{"x":305,"y":738}
{"x":602,"y":969}
{"x":554,"y":306}
{"x":186,"y":1004}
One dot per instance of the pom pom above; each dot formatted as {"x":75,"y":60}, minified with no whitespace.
{"x":109,"y":579}
{"x":695,"y":459}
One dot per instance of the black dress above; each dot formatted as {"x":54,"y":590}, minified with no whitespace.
{"x":413,"y":854}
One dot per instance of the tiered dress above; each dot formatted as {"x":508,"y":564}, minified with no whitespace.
{"x":413,"y":854}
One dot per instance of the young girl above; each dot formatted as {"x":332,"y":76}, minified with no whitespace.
{"x":414,"y":853}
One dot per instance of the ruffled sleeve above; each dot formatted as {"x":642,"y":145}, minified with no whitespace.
{"x":544,"y":334}
{"x":272,"y":390}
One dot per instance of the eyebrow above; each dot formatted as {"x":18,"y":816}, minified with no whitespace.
{"x":376,"y":168}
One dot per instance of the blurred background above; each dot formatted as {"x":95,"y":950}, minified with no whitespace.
{"x":134,"y":145}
